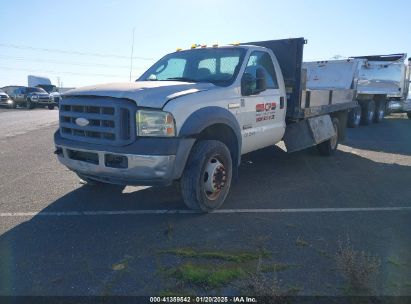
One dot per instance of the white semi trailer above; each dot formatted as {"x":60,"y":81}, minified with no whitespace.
{"x":381,"y":83}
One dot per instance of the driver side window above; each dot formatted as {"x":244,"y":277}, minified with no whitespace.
{"x":259,"y":59}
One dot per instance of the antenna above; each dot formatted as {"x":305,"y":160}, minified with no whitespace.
{"x":131,"y":56}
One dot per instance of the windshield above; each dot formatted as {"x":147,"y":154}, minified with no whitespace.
{"x":219,"y":66}
{"x":38,"y":90}
{"x":48,"y":87}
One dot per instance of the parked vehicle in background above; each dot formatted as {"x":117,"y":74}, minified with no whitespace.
{"x":52,"y":90}
{"x":31,"y":97}
{"x":9,"y":90}
{"x":5,"y":100}
{"x":45,"y":83}
{"x":381,"y":82}
{"x":191,"y":116}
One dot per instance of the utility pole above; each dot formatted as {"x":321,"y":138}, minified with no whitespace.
{"x":131,"y":57}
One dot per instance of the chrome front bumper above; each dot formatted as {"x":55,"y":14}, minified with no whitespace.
{"x":140,"y":169}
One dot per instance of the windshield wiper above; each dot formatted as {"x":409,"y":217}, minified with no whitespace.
{"x":183,"y":79}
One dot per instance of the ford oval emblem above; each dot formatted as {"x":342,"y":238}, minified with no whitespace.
{"x":82,"y":122}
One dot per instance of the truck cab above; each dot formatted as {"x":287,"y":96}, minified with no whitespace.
{"x":190,"y":117}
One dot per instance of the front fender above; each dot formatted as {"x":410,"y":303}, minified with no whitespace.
{"x":206,"y":117}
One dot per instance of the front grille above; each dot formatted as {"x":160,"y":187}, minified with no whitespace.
{"x":2,"y":97}
{"x":110,"y":120}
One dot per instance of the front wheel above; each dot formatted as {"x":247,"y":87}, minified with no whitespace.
{"x":29,"y":104}
{"x":207,"y":177}
{"x":328,"y":147}
{"x":50,"y":107}
{"x":409,"y":115}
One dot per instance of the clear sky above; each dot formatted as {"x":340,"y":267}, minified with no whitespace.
{"x":87,"y":42}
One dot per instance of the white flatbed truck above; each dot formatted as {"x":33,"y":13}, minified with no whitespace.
{"x":191,"y":116}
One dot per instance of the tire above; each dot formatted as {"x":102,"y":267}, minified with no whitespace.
{"x":354,"y":117}
{"x":368,"y":112}
{"x":329,"y":146}
{"x":409,"y":115}
{"x":97,"y":185}
{"x":199,"y":191}
{"x":29,"y":104}
{"x":379,"y":112}
{"x":50,"y":107}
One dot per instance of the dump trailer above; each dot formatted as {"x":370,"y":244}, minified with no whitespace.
{"x":381,"y":83}
{"x":191,"y":116}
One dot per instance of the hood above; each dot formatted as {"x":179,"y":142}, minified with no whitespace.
{"x":152,"y":94}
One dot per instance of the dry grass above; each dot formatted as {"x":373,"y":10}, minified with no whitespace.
{"x":259,"y":285}
{"x":360,"y":268}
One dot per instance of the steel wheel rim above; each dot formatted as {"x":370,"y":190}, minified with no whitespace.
{"x":214,"y":178}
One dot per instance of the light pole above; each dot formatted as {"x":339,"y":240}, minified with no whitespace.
{"x":131,"y":57}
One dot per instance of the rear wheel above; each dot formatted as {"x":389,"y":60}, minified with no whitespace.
{"x":328,"y":147}
{"x":207,"y":177}
{"x":354,"y":117}
{"x":368,"y":112}
{"x":379,"y":112}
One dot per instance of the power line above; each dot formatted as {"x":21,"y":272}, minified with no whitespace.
{"x":68,"y":63}
{"x":25,"y":47}
{"x":59,"y":72}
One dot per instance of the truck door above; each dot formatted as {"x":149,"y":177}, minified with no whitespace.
{"x":262,"y":117}
{"x":19,"y":94}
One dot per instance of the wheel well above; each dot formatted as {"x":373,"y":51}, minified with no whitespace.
{"x":226,"y":135}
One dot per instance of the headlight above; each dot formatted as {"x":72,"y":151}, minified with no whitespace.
{"x":155,"y":123}
{"x":34,"y":97}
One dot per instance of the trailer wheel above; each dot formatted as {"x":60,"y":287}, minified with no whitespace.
{"x":368,"y":112}
{"x":207,"y":177}
{"x":328,"y":147}
{"x":354,"y":117}
{"x":380,"y":112}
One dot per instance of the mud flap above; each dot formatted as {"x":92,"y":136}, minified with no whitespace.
{"x":308,"y":133}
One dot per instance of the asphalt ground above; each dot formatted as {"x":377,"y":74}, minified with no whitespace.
{"x":298,"y":224}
